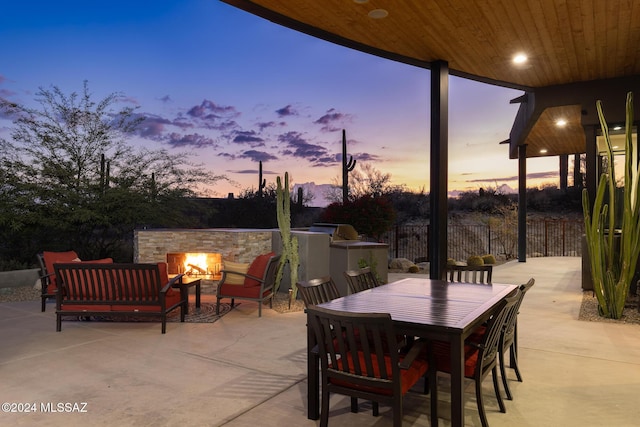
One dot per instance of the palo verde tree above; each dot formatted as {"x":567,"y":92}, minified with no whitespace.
{"x":73,"y":181}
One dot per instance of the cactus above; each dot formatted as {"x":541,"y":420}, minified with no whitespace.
{"x":347,"y":166}
{"x":613,"y":261}
{"x":475,"y":261}
{"x":261,"y":182}
{"x":289,"y":242}
{"x":489,"y":259}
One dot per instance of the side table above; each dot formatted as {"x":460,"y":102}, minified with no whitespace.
{"x":184,"y":284}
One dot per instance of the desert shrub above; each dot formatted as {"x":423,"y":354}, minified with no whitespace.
{"x":451,"y":261}
{"x":414,"y":269}
{"x":475,"y":261}
{"x":489,"y":259}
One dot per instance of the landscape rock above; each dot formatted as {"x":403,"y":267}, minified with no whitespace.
{"x":402,"y":264}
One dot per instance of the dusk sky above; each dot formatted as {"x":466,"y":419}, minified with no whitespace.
{"x":232,"y":89}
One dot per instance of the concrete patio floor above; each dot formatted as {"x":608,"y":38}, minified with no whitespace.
{"x":245,"y":371}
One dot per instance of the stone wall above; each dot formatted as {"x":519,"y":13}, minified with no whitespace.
{"x":239,"y":245}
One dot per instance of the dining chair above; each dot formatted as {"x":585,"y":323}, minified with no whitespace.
{"x":509,"y":341}
{"x":358,"y":363}
{"x":360,"y":279}
{"x":481,"y":357}
{"x":469,"y":274}
{"x":317,"y":291}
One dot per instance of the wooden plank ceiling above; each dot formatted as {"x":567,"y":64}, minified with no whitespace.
{"x":565,"y":41}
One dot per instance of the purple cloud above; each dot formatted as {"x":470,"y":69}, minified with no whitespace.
{"x":248,"y":137}
{"x":287,"y":111}
{"x":297,"y":146}
{"x":257,"y":156}
{"x":192,"y":140}
{"x":331,"y":119}
{"x":266,"y":125}
{"x":210,"y":110}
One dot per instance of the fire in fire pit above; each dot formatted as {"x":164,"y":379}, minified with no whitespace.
{"x":205,"y":265}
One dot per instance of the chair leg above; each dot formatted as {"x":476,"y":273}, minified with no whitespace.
{"x":514,"y":361}
{"x":503,"y":374}
{"x":376,"y":409}
{"x":496,"y":389}
{"x":480,"y":402}
{"x":44,"y":303}
{"x":354,"y":405}
{"x":217,"y":306}
{"x":324,"y":411}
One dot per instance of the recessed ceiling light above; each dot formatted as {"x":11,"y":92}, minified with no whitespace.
{"x":378,"y":14}
{"x":543,"y":151}
{"x":617,"y":127}
{"x":561,"y":122}
{"x":520,"y":58}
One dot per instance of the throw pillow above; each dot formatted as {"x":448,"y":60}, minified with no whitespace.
{"x":235,"y":279}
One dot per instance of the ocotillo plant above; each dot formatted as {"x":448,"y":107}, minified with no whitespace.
{"x":613,"y":260}
{"x":289,"y":242}
{"x":347,"y":166}
{"x":261,"y":182}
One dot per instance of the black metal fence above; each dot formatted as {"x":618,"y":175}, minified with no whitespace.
{"x":544,"y":238}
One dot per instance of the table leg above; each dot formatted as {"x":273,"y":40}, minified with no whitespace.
{"x":184,"y":294}
{"x":313,"y":380}
{"x":198,"y":294}
{"x":457,"y":382}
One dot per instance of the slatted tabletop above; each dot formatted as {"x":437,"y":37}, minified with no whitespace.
{"x":431,"y":309}
{"x":426,"y":304}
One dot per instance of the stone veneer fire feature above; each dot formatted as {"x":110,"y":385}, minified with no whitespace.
{"x":238,"y":245}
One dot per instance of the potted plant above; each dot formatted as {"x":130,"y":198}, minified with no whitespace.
{"x":614,"y":253}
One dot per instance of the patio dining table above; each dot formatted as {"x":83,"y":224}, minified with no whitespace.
{"x":430,"y":309}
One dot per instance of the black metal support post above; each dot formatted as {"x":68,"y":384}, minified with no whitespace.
{"x":439,"y":168}
{"x":522,"y":203}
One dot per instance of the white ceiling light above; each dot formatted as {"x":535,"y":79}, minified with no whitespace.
{"x":519,"y":59}
{"x":561,"y":122}
{"x":378,"y":14}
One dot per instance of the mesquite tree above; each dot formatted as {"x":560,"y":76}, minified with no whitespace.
{"x":71,"y":179}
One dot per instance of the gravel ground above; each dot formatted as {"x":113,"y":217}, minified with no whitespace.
{"x":589,"y":310}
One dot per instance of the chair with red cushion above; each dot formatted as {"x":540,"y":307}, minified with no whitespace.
{"x":480,"y":358}
{"x":47,"y":274}
{"x":509,"y":339}
{"x":317,"y":291}
{"x":361,"y":279}
{"x":363,"y":361}
{"x":257,"y":286}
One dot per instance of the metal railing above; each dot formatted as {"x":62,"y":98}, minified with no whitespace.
{"x":544,"y":238}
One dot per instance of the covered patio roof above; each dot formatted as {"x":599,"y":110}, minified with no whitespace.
{"x":590,"y":42}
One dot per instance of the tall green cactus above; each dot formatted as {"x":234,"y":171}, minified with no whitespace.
{"x":347,"y":166}
{"x":613,"y":261}
{"x":289,"y":242}
{"x":261,"y":182}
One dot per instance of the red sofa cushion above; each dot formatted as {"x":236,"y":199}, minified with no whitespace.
{"x":257,"y":268}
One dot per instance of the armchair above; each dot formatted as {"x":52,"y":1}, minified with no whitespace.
{"x":257,"y":284}
{"x":48,"y":284}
